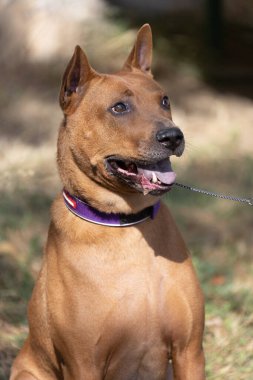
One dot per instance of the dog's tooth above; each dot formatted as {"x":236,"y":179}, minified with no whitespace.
{"x":154,"y":177}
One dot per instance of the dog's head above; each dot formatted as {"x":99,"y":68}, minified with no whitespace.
{"x":118,"y":130}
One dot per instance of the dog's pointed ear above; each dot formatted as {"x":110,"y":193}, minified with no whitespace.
{"x":76,"y":76}
{"x":141,"y":53}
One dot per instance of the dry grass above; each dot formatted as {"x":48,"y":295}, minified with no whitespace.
{"x":218,"y":127}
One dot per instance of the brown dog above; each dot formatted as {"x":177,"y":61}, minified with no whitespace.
{"x":117,"y":297}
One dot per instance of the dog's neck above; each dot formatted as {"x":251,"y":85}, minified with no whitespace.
{"x":85,"y":211}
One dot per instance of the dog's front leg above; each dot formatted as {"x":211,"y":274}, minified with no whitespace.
{"x":188,"y":364}
{"x":24,"y":375}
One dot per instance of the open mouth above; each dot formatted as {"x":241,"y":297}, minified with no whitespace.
{"x":155,"y":178}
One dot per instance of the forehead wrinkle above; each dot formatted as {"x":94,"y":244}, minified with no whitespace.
{"x":128,"y":87}
{"x":128,"y":92}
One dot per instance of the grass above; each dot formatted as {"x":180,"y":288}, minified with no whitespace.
{"x":23,"y":225}
{"x":218,"y":232}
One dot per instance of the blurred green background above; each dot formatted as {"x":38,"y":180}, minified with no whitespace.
{"x":203,"y":56}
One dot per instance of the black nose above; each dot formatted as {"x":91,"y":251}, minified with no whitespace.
{"x":170,"y":137}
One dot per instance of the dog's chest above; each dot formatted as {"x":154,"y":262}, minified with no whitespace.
{"x":120,"y":303}
{"x":124,"y":320}
{"x":123,"y":289}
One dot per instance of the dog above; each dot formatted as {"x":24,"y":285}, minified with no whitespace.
{"x":117,"y":297}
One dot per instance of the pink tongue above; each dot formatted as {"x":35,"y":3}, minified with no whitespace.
{"x":162,"y":170}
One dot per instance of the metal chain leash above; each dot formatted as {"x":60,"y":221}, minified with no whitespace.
{"x":249,"y":201}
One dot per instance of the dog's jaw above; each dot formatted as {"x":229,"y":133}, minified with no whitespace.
{"x":154,"y":178}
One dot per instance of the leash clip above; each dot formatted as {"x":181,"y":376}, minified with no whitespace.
{"x":250,"y":201}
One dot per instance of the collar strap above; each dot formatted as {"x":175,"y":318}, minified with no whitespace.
{"x":89,"y":213}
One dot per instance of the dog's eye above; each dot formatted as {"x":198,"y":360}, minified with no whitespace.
{"x":166,"y":102}
{"x":119,"y":108}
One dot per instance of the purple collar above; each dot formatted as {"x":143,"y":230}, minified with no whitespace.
{"x":89,"y":213}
